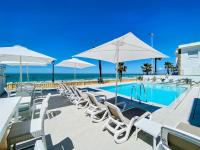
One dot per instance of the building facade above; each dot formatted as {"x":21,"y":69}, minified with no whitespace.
{"x":188,"y":59}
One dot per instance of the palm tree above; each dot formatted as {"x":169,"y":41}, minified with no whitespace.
{"x":155,"y":69}
{"x":174,"y":70}
{"x":168,"y":66}
{"x":121,"y":69}
{"x":146,"y":68}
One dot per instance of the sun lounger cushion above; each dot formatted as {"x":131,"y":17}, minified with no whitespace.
{"x":189,"y":128}
{"x":180,"y":138}
{"x":177,"y":143}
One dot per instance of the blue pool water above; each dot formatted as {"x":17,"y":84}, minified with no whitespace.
{"x":156,"y":93}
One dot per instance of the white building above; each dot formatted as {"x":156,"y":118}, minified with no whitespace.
{"x":188,"y":59}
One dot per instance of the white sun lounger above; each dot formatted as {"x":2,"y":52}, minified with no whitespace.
{"x":39,"y":145}
{"x":10,"y":93}
{"x":82,"y":100}
{"x":96,"y":110}
{"x":30,"y":129}
{"x":183,"y":137}
{"x":120,"y":123}
{"x":37,"y":104}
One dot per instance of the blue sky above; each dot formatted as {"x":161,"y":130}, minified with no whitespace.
{"x":64,"y":28}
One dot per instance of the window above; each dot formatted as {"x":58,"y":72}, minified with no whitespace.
{"x":193,"y":54}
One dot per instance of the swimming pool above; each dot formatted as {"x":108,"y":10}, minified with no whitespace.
{"x":156,"y":93}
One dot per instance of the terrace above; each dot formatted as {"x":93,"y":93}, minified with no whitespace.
{"x":70,"y":128}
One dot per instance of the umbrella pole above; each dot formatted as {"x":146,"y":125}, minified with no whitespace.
{"x":116,"y":71}
{"x":74,"y":72}
{"x":20,"y":60}
{"x":27,"y":73}
{"x":53,"y":71}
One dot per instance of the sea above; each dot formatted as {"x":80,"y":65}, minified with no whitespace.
{"x":14,"y":77}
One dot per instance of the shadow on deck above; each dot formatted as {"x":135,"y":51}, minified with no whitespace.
{"x":58,"y":101}
{"x":65,"y":144}
{"x":131,"y":104}
{"x":90,"y":89}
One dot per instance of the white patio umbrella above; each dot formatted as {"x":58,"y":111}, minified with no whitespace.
{"x":22,"y":54}
{"x":125,"y":48}
{"x":27,"y":64}
{"x":74,"y":63}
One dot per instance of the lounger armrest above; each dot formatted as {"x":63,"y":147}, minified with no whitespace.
{"x":146,"y":115}
{"x":93,"y":107}
{"x":38,"y":101}
{"x":137,"y":118}
{"x":12,"y":91}
{"x":84,"y":91}
{"x":102,"y":97}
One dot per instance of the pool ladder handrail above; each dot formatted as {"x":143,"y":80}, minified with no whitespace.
{"x":143,"y":87}
{"x":137,"y":96}
{"x":135,"y":89}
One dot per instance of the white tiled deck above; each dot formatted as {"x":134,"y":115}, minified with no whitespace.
{"x":71,"y":129}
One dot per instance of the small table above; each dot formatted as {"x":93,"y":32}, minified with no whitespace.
{"x":149,"y":127}
{"x":8,"y":108}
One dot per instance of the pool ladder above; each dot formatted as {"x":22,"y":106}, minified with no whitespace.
{"x":138,"y":96}
{"x":135,"y":91}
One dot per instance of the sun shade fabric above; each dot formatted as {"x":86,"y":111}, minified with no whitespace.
{"x":74,"y":63}
{"x":16,"y":63}
{"x":15,"y":53}
{"x":129,"y":48}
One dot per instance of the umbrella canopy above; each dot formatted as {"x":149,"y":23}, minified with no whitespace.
{"x":22,"y":54}
{"x":16,"y":63}
{"x":125,"y":48}
{"x":17,"y":52}
{"x":74,"y":63}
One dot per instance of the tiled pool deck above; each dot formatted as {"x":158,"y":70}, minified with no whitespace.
{"x":70,"y":128}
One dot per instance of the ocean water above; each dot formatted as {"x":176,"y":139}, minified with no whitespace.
{"x":14,"y":77}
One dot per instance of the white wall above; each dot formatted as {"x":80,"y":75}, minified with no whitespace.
{"x":190,"y":64}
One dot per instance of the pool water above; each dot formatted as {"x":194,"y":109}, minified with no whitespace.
{"x":156,"y":93}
